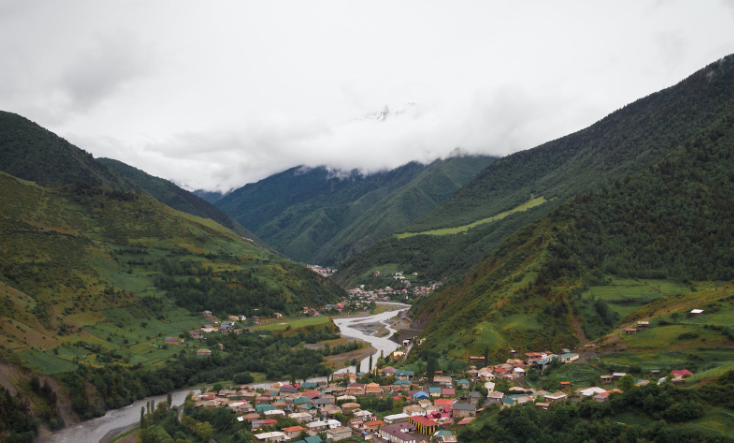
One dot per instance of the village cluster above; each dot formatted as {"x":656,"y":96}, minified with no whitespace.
{"x":432,"y":411}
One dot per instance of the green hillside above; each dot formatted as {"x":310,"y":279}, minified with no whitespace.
{"x":314,"y":216}
{"x":625,"y":142}
{"x":169,"y":194}
{"x":87,"y":264}
{"x":33,"y":153}
{"x":558,"y":282}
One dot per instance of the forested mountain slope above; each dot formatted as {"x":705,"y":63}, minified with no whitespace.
{"x":318,"y":215}
{"x":169,"y":194}
{"x":31,"y":152}
{"x":625,"y":142}
{"x":670,"y":221}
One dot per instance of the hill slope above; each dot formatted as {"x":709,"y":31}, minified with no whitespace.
{"x":33,"y":153}
{"x":668,"y":223}
{"x":625,"y":142}
{"x":317,"y":215}
{"x":169,"y":194}
{"x":92,"y":263}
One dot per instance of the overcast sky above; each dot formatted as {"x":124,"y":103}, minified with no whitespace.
{"x":214,"y":94}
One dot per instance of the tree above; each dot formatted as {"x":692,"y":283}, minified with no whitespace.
{"x":169,"y":399}
{"x":370,"y":368}
{"x":627,"y":383}
{"x":142,"y":417}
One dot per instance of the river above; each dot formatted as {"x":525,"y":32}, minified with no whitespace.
{"x":93,"y":431}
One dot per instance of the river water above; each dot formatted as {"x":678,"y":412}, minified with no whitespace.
{"x":93,"y":431}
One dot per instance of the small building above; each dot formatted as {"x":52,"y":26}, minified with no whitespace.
{"x":206,"y":313}
{"x":556,"y":397}
{"x":630,"y":331}
{"x":643,"y":324}
{"x":569,"y":357}
{"x":495,"y":397}
{"x":565,"y":385}
{"x":374,"y":425}
{"x":462,"y":410}
{"x":396,"y":418}
{"x":171,"y":340}
{"x":696,"y":312}
{"x":423,"y":425}
{"x":198,"y":335}
{"x":606,"y":379}
{"x":294,"y":431}
{"x":205,"y":352}
{"x":272,"y":436}
{"x":542,"y":406}
{"x":339,"y":433}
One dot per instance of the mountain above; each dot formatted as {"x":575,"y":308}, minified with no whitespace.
{"x":318,"y":215}
{"x":33,"y":153}
{"x":651,"y":246}
{"x":527,"y":186}
{"x":100,"y":275}
{"x":210,"y":196}
{"x":169,"y":194}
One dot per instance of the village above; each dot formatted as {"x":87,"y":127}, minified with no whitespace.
{"x":389,"y":404}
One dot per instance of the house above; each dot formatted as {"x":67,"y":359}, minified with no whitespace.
{"x":556,"y":397}
{"x":171,"y":340}
{"x":618,"y":375}
{"x":400,"y":433}
{"x":339,"y":433}
{"x":542,"y":406}
{"x":495,"y":397}
{"x":463,"y":383}
{"x":643,"y":324}
{"x":518,"y":372}
{"x":207,"y":328}
{"x":374,"y":425}
{"x":301,"y":417}
{"x":462,"y":410}
{"x":278,"y":315}
{"x":423,"y":425}
{"x":413,"y":410}
{"x":272,"y":436}
{"x":606,"y":379}
{"x":396,"y":418}
{"x":434,"y":391}
{"x":681,"y":373}
{"x":420,"y":394}
{"x":630,"y":331}
{"x":590,"y":392}
{"x":207,"y":313}
{"x":205,"y":352}
{"x":696,"y":312}
{"x":317,"y":426}
{"x":565,"y":385}
{"x":569,"y":357}
{"x":294,"y":431}
{"x":402,"y":374}
{"x":198,"y":335}
{"x":373,"y":390}
{"x":443,"y":380}
{"x":348,"y":408}
{"x":448,"y":392}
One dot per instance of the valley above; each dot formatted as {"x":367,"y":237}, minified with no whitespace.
{"x":584,"y":288}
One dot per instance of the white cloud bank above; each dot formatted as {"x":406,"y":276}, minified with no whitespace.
{"x":218,"y":94}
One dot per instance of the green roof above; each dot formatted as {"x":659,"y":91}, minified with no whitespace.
{"x":313,"y":439}
{"x":308,"y":385}
{"x":263,"y":408}
{"x":401,"y":382}
{"x":436,"y":389}
{"x":463,"y":381}
{"x":301,"y":401}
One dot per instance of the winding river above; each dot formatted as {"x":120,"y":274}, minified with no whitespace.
{"x":114,"y":421}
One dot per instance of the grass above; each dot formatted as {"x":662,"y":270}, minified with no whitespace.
{"x":47,"y":363}
{"x":460,"y":229}
{"x":579,"y":374}
{"x":296,"y":323}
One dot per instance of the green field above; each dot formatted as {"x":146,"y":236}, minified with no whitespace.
{"x":460,"y":229}
{"x":282,"y":324}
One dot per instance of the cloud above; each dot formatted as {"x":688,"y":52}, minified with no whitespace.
{"x":106,"y":66}
{"x":215,"y":96}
